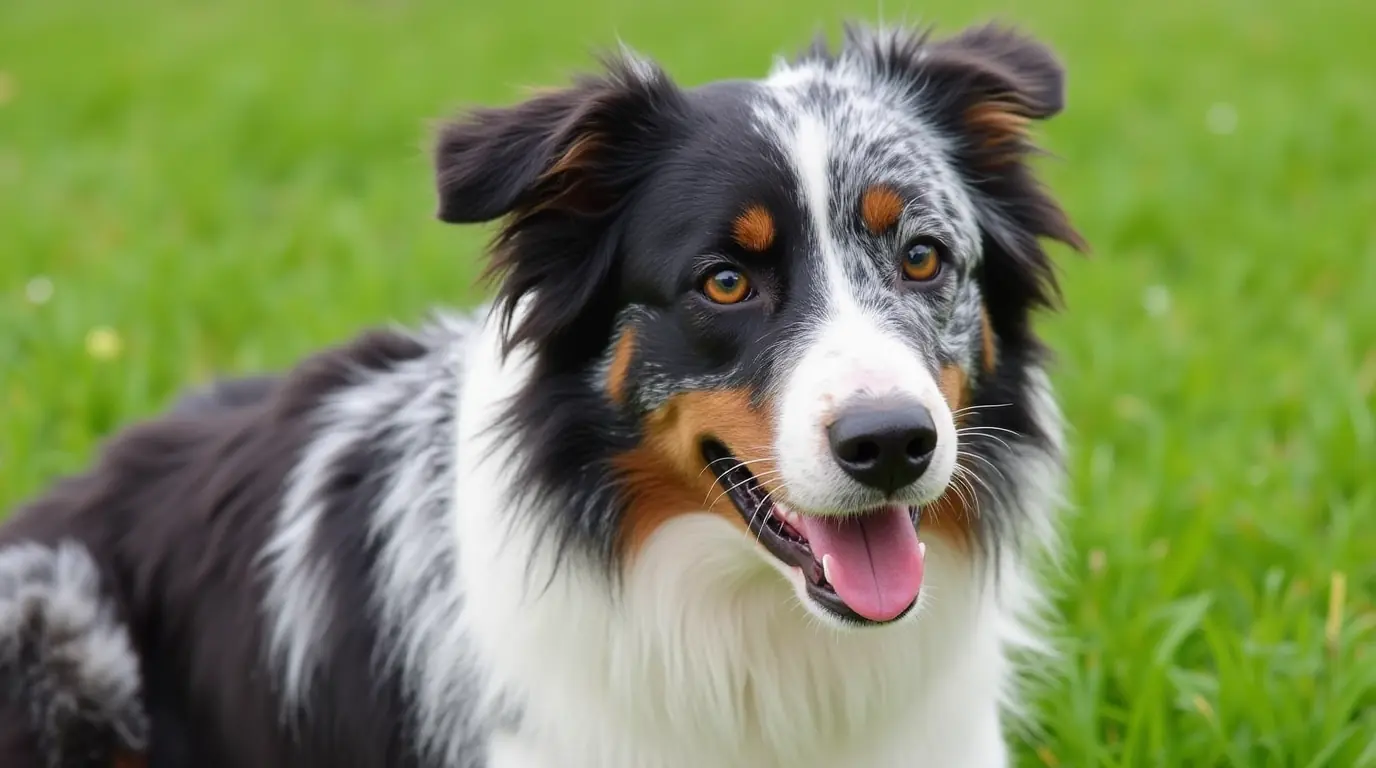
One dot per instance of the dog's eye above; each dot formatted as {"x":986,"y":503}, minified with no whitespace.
{"x":727,"y":286}
{"x":922,"y":260}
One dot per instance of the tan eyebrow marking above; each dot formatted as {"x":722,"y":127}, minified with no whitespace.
{"x":880,"y":208}
{"x":753,"y":230}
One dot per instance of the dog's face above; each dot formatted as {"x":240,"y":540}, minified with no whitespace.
{"x":770,"y":300}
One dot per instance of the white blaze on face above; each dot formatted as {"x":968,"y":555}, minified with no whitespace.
{"x":852,"y":354}
{"x":850,"y":359}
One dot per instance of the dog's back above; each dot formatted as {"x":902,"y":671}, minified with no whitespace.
{"x":225,"y":394}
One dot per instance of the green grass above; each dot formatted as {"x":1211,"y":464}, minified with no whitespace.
{"x":224,"y":186}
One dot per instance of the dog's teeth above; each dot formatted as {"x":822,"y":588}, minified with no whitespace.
{"x":922,"y":548}
{"x":826,"y":567}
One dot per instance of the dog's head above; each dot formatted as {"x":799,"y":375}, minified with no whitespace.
{"x":772,"y":300}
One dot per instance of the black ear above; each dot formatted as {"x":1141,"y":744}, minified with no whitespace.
{"x":560,"y":143}
{"x":557,"y":166}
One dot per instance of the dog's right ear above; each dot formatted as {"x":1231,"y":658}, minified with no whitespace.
{"x":577,"y":148}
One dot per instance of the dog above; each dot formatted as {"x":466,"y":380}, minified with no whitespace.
{"x":749,"y":461}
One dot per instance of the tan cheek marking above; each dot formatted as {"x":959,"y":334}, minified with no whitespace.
{"x":880,"y":208}
{"x":991,"y":352}
{"x":621,"y":364}
{"x":665,"y":476}
{"x":753,"y":230}
{"x":657,"y":493}
{"x":950,"y":518}
{"x":955,"y":387}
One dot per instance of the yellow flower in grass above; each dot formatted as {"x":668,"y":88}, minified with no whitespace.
{"x":104,"y":343}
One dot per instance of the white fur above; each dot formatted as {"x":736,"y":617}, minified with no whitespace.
{"x":298,"y":582}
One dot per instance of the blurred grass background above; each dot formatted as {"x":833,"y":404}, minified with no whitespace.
{"x":189,"y":188}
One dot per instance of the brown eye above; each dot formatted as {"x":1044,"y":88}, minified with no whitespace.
{"x":922,"y":260}
{"x":727,"y":286}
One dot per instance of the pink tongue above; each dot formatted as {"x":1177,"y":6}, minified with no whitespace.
{"x":876,"y":564}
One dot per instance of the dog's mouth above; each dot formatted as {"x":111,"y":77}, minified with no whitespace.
{"x":864,"y":568}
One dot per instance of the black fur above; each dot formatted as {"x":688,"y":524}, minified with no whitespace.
{"x":226,"y":394}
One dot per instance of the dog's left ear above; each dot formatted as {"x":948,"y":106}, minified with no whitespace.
{"x":984,"y":87}
{"x":556,"y":168}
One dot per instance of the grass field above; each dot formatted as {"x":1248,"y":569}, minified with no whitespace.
{"x":198,"y":187}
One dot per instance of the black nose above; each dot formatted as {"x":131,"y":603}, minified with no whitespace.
{"x":885,"y":444}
